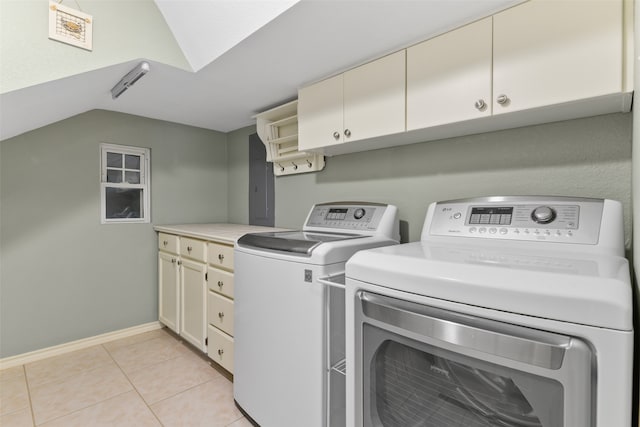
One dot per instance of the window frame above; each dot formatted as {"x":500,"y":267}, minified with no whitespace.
{"x":144,"y":185}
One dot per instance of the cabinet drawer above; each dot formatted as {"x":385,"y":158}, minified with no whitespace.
{"x":221,"y":256}
{"x":168,"y":242}
{"x":194,"y":249}
{"x":220,"y":348}
{"x":220,"y":312}
{"x":220,"y":281}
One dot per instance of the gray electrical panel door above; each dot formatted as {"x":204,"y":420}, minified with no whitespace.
{"x":261,"y":185}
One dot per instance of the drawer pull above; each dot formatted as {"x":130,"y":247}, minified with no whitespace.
{"x":189,"y":249}
{"x":173,"y":260}
{"x":165,"y":243}
{"x":220,"y":352}
{"x":220,"y":284}
{"x":221,"y":315}
{"x":221,"y":257}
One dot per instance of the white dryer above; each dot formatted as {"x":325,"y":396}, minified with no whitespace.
{"x":510,"y":311}
{"x":289,"y":313}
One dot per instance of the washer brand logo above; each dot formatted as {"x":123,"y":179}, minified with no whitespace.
{"x":308,"y":276}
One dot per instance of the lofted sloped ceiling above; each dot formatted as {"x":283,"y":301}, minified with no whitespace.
{"x":238,"y":72}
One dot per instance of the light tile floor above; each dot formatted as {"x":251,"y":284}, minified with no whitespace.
{"x":150,"y":379}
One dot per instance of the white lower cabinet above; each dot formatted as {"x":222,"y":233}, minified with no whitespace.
{"x":169,"y":290}
{"x":182,"y":287}
{"x":196,"y":285}
{"x":193,"y":303}
{"x":220,"y":304}
{"x":220,"y":348}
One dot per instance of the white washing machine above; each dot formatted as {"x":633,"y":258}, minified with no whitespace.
{"x":289,"y":313}
{"x":510,"y":311}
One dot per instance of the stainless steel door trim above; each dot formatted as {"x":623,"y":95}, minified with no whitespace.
{"x":538,"y":348}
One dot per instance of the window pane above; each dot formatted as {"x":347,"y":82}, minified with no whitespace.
{"x":114,"y":175}
{"x":132,"y":177}
{"x":114,"y":160}
{"x":131,"y":161}
{"x":123,"y":203}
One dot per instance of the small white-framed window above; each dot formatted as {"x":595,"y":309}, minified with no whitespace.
{"x":124,"y":184}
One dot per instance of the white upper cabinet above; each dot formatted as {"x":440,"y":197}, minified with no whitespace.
{"x":538,"y":62}
{"x":449,"y":77}
{"x":374,"y":98}
{"x":320,"y":114}
{"x":551,"y":52}
{"x":364,"y":102}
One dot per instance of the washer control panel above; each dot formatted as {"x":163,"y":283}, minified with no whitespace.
{"x":346,"y":216}
{"x":551,"y":219}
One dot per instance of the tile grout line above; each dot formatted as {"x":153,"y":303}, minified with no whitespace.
{"x":26,"y":381}
{"x":82,"y":409}
{"x":134,"y":386}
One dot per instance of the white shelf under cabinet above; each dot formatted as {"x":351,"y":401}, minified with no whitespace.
{"x":278,"y":130}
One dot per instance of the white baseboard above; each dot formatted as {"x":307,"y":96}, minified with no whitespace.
{"x":33,"y":356}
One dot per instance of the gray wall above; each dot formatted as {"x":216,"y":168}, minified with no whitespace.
{"x":63,"y":275}
{"x":124,"y":30}
{"x":238,"y":164}
{"x":586,"y":157}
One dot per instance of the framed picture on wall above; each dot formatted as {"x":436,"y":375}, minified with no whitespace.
{"x":70,"y":26}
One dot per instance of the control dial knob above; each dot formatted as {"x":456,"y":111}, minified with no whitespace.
{"x":358,"y":213}
{"x":543,"y":215}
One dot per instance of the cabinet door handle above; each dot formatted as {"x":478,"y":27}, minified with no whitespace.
{"x":165,"y":243}
{"x":179,"y":262}
{"x":220,"y":352}
{"x":221,"y":257}
{"x":502,"y":99}
{"x":189,"y":249}
{"x":221,"y":315}
{"x":480,"y":105}
{"x":173,"y":260}
{"x":220,"y":284}
{"x":336,"y":135}
{"x":347,"y":133}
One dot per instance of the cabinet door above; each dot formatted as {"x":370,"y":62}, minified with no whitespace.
{"x":449,"y":77}
{"x":320,"y":114}
{"x":220,"y":312}
{"x":220,"y":348}
{"x":193,"y":298}
{"x":220,"y":281}
{"x":374,"y":98}
{"x":169,"y":298}
{"x":550,"y":52}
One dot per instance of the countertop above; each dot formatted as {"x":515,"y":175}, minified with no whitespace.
{"x":216,"y":232}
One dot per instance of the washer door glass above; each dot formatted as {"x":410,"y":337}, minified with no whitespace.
{"x":413,"y":384}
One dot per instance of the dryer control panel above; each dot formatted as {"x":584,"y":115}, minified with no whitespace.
{"x":549,"y":219}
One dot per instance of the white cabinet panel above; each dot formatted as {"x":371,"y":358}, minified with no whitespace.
{"x":193,"y":303}
{"x":220,"y":348}
{"x":169,"y":290}
{"x":220,"y":281}
{"x":193,"y":248}
{"x":220,"y":312}
{"x":449,"y":77}
{"x":551,"y":52}
{"x":362,"y":103}
{"x":221,"y":256}
{"x":320,"y":114}
{"x":374,"y":98}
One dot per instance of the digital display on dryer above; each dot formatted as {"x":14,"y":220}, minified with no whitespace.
{"x":336,"y":214}
{"x":491,"y":215}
